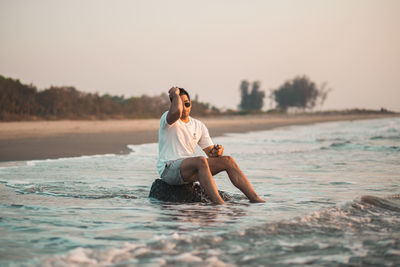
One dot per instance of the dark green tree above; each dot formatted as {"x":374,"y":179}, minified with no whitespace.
{"x":252,"y":101}
{"x":16,"y":98}
{"x":299,"y":92}
{"x":24,"y":102}
{"x":244,"y":93}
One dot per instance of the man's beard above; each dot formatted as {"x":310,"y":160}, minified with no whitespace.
{"x":184,"y":115}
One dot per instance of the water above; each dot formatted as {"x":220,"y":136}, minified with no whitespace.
{"x":316,"y":179}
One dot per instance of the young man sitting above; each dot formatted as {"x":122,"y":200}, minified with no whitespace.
{"x":177,"y":138}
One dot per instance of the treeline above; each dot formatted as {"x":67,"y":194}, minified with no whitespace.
{"x":298,"y":93}
{"x":251,"y":100}
{"x":24,"y":102}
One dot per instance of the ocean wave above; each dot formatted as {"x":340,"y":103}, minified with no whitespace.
{"x":382,"y":137}
{"x":340,"y":144}
{"x":358,"y":233}
{"x":57,"y":191}
{"x":382,"y":202}
{"x":348,"y":145}
{"x":33,"y":163}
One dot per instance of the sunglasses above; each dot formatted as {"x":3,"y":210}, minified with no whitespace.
{"x":187,"y":104}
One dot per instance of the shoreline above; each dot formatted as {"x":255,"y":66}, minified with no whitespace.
{"x":37,"y":140}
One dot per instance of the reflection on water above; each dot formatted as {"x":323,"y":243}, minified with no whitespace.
{"x":202,"y":214}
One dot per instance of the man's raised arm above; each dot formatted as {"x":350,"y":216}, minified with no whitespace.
{"x":175,"y":110}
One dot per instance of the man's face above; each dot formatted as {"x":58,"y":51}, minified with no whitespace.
{"x":186,"y":110}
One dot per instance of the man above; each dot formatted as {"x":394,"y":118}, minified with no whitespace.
{"x":177,"y":138}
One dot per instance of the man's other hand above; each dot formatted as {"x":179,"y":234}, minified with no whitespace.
{"x":215,"y":151}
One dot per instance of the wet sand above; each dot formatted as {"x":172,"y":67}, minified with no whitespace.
{"x":20,"y":141}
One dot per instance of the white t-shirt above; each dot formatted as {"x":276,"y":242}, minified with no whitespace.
{"x":179,"y":140}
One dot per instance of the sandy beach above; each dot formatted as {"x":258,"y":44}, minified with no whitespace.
{"x":32,"y":140}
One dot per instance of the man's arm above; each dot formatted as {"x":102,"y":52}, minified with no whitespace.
{"x":214,"y":151}
{"x":175,"y":110}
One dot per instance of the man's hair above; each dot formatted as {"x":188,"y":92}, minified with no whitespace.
{"x":182,"y":92}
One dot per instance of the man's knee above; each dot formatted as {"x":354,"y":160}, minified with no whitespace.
{"x":229,"y":161}
{"x":201,"y":162}
{"x":191,"y":166}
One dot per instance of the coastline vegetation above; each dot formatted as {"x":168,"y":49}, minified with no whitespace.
{"x":21,"y":102}
{"x":25,"y":102}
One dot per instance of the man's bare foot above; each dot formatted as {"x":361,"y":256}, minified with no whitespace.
{"x":257,"y":200}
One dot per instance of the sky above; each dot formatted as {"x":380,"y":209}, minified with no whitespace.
{"x":139,"y":47}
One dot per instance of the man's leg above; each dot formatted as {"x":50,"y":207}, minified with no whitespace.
{"x":237,"y":177}
{"x":197,"y":167}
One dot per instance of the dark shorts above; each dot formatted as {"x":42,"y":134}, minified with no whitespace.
{"x":172,"y":172}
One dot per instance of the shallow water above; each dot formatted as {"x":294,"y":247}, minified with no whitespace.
{"x":316,"y":180}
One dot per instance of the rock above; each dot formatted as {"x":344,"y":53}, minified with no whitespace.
{"x":186,"y":193}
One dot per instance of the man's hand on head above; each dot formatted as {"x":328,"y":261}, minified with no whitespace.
{"x":175,"y":110}
{"x":174,"y":91}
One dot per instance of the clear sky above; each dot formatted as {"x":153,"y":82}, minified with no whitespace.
{"x":144,"y":47}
